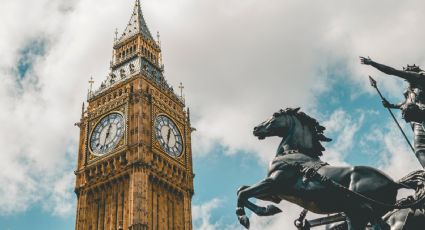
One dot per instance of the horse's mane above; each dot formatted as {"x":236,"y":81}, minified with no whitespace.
{"x":316,"y":130}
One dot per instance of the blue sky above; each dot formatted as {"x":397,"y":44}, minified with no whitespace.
{"x":239,"y":60}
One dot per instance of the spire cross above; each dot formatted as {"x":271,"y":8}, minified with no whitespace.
{"x":181,"y":87}
{"x":91,"y":81}
{"x":158,"y":38}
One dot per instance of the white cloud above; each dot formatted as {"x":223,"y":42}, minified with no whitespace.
{"x":261,"y":57}
{"x":61,"y":200}
{"x":202,"y":215}
{"x":397,"y":158}
{"x":202,"y":220}
{"x":38,"y":138}
{"x":343,"y":127}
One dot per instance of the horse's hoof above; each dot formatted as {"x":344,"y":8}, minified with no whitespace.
{"x":240,"y":211}
{"x":272,"y":210}
{"x":244,"y":221}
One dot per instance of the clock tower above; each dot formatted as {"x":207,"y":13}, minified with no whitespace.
{"x":134,"y":168}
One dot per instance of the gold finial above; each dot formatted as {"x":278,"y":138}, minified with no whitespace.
{"x":91,"y":81}
{"x":158,"y":37}
{"x":181,"y":87}
{"x":116,"y":35}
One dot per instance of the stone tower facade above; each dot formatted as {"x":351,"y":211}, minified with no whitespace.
{"x":134,"y":168}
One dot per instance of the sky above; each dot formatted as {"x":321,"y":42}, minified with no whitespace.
{"x":239,"y":60}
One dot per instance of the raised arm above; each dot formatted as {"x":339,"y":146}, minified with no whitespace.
{"x":392,"y":106}
{"x":407,"y":75}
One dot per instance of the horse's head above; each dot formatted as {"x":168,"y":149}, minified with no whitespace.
{"x":298,"y":130}
{"x":278,"y":125}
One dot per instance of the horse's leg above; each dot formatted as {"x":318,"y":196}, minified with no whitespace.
{"x":397,"y":220}
{"x":269,"y":210}
{"x":263,"y":188}
{"x":356,"y":222}
{"x":358,"y":217}
{"x":342,"y":226}
{"x":243,"y":187}
{"x":379,"y":224}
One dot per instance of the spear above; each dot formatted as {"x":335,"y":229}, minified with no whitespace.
{"x":373,"y":83}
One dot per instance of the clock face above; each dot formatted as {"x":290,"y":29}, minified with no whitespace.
{"x":169,"y":136}
{"x":107,"y":133}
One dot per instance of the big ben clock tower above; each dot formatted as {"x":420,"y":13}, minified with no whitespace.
{"x":134,"y":166}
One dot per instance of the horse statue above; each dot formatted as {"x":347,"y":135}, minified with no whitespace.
{"x":296,"y":174}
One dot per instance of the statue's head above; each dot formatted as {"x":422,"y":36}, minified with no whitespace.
{"x":413,"y":68}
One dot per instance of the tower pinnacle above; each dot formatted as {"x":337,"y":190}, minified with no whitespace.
{"x":136,"y":25}
{"x":90,"y":90}
{"x":136,"y":54}
{"x":181,"y":87}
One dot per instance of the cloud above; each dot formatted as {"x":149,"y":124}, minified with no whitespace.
{"x":397,"y":158}
{"x":254,"y":58}
{"x":202,"y":220}
{"x":344,"y":127}
{"x":44,"y":71}
{"x":61,"y":198}
{"x":202,"y":215}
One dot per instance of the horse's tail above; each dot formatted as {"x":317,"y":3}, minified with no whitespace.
{"x":414,"y":180}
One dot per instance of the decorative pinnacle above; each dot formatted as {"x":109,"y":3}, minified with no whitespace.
{"x":116,"y":35}
{"x":82,"y":110}
{"x":136,"y":25}
{"x":158,"y":38}
{"x":159,"y":44}
{"x":91,"y":81}
{"x":181,"y":87}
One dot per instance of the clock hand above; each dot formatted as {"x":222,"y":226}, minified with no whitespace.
{"x":104,"y":142}
{"x":109,"y":129}
{"x":168,"y":136}
{"x":107,"y":133}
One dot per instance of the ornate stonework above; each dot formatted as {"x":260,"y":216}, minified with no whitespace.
{"x":135,"y":184}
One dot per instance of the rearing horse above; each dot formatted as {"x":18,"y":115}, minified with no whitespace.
{"x":297,"y":174}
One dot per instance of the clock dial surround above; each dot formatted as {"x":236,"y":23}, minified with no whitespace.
{"x":107,"y":134}
{"x":168,"y":136}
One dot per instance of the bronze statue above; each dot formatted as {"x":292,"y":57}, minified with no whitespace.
{"x":296,"y":174}
{"x":413,"y":107}
{"x":413,"y":111}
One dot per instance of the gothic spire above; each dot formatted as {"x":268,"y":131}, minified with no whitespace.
{"x":136,"y":25}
